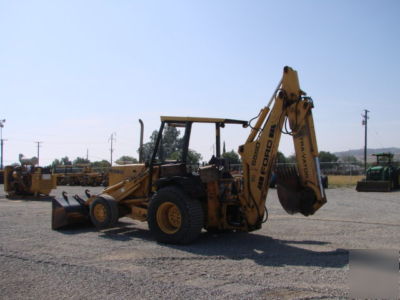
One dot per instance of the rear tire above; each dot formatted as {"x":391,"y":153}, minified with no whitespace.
{"x":174,"y":217}
{"x":104,"y":212}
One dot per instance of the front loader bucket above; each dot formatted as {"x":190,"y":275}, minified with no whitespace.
{"x":373,"y":186}
{"x":65,"y":213}
{"x":294,"y":197}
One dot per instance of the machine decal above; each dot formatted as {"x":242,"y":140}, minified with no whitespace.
{"x":255,"y":155}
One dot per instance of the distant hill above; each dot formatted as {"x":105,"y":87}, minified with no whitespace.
{"x":359,"y":153}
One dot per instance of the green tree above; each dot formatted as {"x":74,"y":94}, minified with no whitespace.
{"x":350,"y":159}
{"x":232,"y":157}
{"x":280,"y":158}
{"x":325,"y":156}
{"x":55,"y":163}
{"x":171,"y":147}
{"x":80,"y":160}
{"x":125,"y":159}
{"x":193,"y":157}
{"x":61,"y":162}
{"x":171,"y":142}
{"x":291,"y":159}
{"x":149,"y":146}
{"x":101,"y":164}
{"x":65,"y":161}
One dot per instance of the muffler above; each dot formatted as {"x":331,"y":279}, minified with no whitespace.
{"x":294,"y":197}
{"x":68,"y":211}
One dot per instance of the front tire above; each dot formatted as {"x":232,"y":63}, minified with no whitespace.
{"x":104,"y":212}
{"x":174,"y":217}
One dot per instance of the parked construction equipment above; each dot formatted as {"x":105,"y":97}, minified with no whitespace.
{"x":28,"y":180}
{"x":177,"y":203}
{"x":80,"y":174}
{"x":383,"y":177}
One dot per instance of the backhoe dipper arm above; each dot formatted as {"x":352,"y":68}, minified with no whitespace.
{"x":298,"y":191}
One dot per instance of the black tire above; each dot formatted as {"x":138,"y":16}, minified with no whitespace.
{"x":109,"y":215}
{"x":191,"y":216}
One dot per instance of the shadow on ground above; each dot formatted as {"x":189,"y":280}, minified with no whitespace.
{"x":263,"y":250}
{"x":27,"y":198}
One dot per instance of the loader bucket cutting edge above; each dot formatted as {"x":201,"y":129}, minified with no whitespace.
{"x":68,"y":213}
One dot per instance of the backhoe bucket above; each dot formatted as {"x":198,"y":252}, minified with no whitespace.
{"x":294,"y":197}
{"x":68,"y":212}
{"x":374,"y":186}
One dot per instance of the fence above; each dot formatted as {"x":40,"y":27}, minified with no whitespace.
{"x":327,"y":168}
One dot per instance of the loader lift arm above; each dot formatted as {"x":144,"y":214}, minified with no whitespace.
{"x":299,"y":189}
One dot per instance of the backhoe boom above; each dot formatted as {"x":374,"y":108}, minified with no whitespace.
{"x":299,"y":189}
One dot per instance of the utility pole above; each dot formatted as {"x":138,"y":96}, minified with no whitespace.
{"x":38,"y":151}
{"x":87,"y":154}
{"x":1,"y":142}
{"x":112,"y":139}
{"x":365,"y":123}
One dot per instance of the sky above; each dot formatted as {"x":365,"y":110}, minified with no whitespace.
{"x":74,"y":72}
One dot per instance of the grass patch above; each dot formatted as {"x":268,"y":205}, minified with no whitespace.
{"x":343,"y":180}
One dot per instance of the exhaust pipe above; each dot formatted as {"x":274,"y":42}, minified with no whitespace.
{"x":141,"y":159}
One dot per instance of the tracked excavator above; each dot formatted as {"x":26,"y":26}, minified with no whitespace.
{"x":178,"y":203}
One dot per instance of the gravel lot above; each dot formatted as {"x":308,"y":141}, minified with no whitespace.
{"x":291,"y":257}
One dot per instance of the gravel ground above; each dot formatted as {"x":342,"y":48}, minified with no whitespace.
{"x":291,"y":257}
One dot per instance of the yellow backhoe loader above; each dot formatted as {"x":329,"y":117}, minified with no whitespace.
{"x":178,"y":203}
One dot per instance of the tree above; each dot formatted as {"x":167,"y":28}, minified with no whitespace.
{"x":149,"y":146}
{"x":232,"y":157}
{"x":61,"y":162}
{"x":55,"y":163}
{"x":280,"y":158}
{"x":171,"y":147}
{"x":80,"y":160}
{"x":65,"y":161}
{"x":193,"y":157}
{"x":325,"y":156}
{"x":291,"y":159}
{"x":350,"y":159}
{"x":101,"y":164}
{"x":125,"y":159}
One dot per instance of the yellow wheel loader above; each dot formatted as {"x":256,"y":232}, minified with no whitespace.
{"x":178,"y":203}
{"x":27,"y":180}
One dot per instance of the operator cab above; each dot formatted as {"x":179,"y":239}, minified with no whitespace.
{"x":175,"y":161}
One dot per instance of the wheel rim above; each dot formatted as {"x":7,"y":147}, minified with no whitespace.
{"x":100,"y":212}
{"x":169,"y":217}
